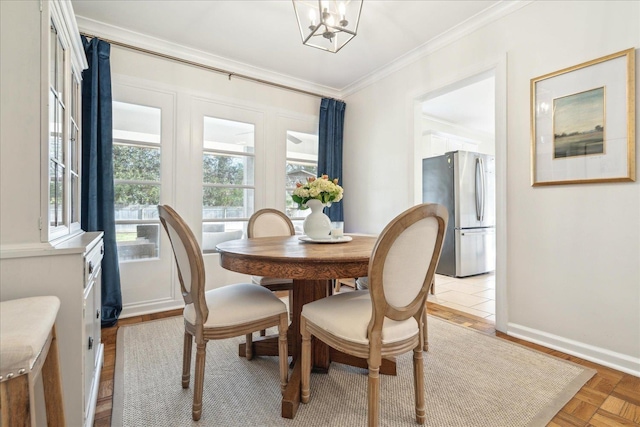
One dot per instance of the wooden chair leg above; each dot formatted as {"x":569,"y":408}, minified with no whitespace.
{"x":186,"y":359}
{"x":283,"y":351}
{"x":52,"y":384}
{"x":201,"y":352}
{"x":418,"y":383}
{"x":425,"y":330}
{"x":305,"y":362}
{"x":373,"y":396}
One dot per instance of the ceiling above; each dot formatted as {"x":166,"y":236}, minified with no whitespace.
{"x":261,"y":39}
{"x":263,"y":35}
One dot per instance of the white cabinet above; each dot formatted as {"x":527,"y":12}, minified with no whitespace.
{"x":71,"y":271}
{"x":42,"y":249}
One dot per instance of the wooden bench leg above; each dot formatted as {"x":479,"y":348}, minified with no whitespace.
{"x":52,"y":383}
{"x":15,"y":401}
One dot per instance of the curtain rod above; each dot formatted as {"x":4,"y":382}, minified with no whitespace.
{"x":206,"y":67}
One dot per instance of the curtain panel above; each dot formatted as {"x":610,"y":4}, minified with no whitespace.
{"x":97,"y":206}
{"x":330,"y":148}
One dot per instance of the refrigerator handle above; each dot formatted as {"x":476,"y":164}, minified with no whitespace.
{"x":480,"y":188}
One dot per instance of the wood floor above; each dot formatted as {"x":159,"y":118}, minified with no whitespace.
{"x":610,"y":398}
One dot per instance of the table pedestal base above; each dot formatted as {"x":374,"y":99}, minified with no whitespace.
{"x":305,"y":291}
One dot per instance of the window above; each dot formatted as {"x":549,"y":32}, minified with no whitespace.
{"x":302,"y":163}
{"x":228,"y":187}
{"x":136,"y":167}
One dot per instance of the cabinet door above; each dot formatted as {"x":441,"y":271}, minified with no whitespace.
{"x":89,"y":342}
{"x":97,"y":316}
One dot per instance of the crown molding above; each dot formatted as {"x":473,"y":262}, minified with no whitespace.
{"x":495,"y":12}
{"x":164,"y":47}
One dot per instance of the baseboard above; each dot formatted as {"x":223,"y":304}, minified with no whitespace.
{"x":601,"y":356}
{"x":150,"y":308}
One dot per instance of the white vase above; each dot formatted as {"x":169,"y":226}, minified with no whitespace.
{"x":317,"y":225}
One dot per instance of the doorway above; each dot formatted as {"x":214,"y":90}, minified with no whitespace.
{"x":469,"y":114}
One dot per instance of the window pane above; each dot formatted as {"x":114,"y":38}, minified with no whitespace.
{"x":218,"y":232}
{"x":223,"y":169}
{"x":299,"y":172}
{"x":228,"y":135}
{"x":53,"y":43}
{"x":59,"y":199}
{"x":136,"y":163}
{"x":59,"y":131}
{"x":137,"y":241}
{"x":302,"y":146}
{"x":219,"y":203}
{"x":136,"y":197}
{"x":136,"y":122}
{"x":52,"y":125}
{"x":75,"y":93}
{"x":75,"y":217}
{"x":73,"y":155}
{"x":302,"y":163}
{"x":52,"y":193}
{"x":60,"y":60}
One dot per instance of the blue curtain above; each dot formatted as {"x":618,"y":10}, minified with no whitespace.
{"x":330,"y":147}
{"x":97,"y":209}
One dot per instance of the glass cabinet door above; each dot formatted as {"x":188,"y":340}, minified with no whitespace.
{"x":64,"y":139}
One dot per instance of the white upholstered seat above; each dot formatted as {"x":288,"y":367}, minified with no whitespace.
{"x":28,"y":346}
{"x":236,"y":304}
{"x":226,"y":312}
{"x":347,"y":316}
{"x":387,"y":320}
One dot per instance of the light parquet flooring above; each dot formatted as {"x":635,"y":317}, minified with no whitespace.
{"x":610,"y":398}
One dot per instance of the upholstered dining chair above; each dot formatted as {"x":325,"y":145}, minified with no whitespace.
{"x":270,"y":223}
{"x":387,"y":320}
{"x":225,"y":312}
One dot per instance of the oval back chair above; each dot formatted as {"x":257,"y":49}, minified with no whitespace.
{"x":229,"y":311}
{"x":386,"y":321}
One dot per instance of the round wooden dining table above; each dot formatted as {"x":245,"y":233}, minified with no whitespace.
{"x":312,"y":266}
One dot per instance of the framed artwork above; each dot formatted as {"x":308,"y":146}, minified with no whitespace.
{"x":583,"y":122}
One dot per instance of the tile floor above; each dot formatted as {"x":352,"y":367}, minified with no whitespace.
{"x":474,"y":295}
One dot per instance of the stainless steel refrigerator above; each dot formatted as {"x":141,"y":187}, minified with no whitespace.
{"x":464,"y":182}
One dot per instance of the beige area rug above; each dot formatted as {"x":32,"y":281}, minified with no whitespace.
{"x":471,"y":379}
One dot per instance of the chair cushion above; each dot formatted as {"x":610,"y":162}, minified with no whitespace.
{"x":347,"y":315}
{"x":266,"y":281}
{"x":25,"y":325}
{"x":237,"y":304}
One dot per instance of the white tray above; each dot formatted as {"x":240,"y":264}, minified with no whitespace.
{"x":342,"y":239}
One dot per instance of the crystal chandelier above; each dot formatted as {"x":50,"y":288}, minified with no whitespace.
{"x":327,"y":24}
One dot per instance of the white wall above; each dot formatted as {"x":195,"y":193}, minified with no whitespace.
{"x":20,"y":130}
{"x":573,"y":272}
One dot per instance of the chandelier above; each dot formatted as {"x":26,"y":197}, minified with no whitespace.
{"x":327,"y":24}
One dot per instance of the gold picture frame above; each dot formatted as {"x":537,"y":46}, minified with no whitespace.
{"x":583,"y":123}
